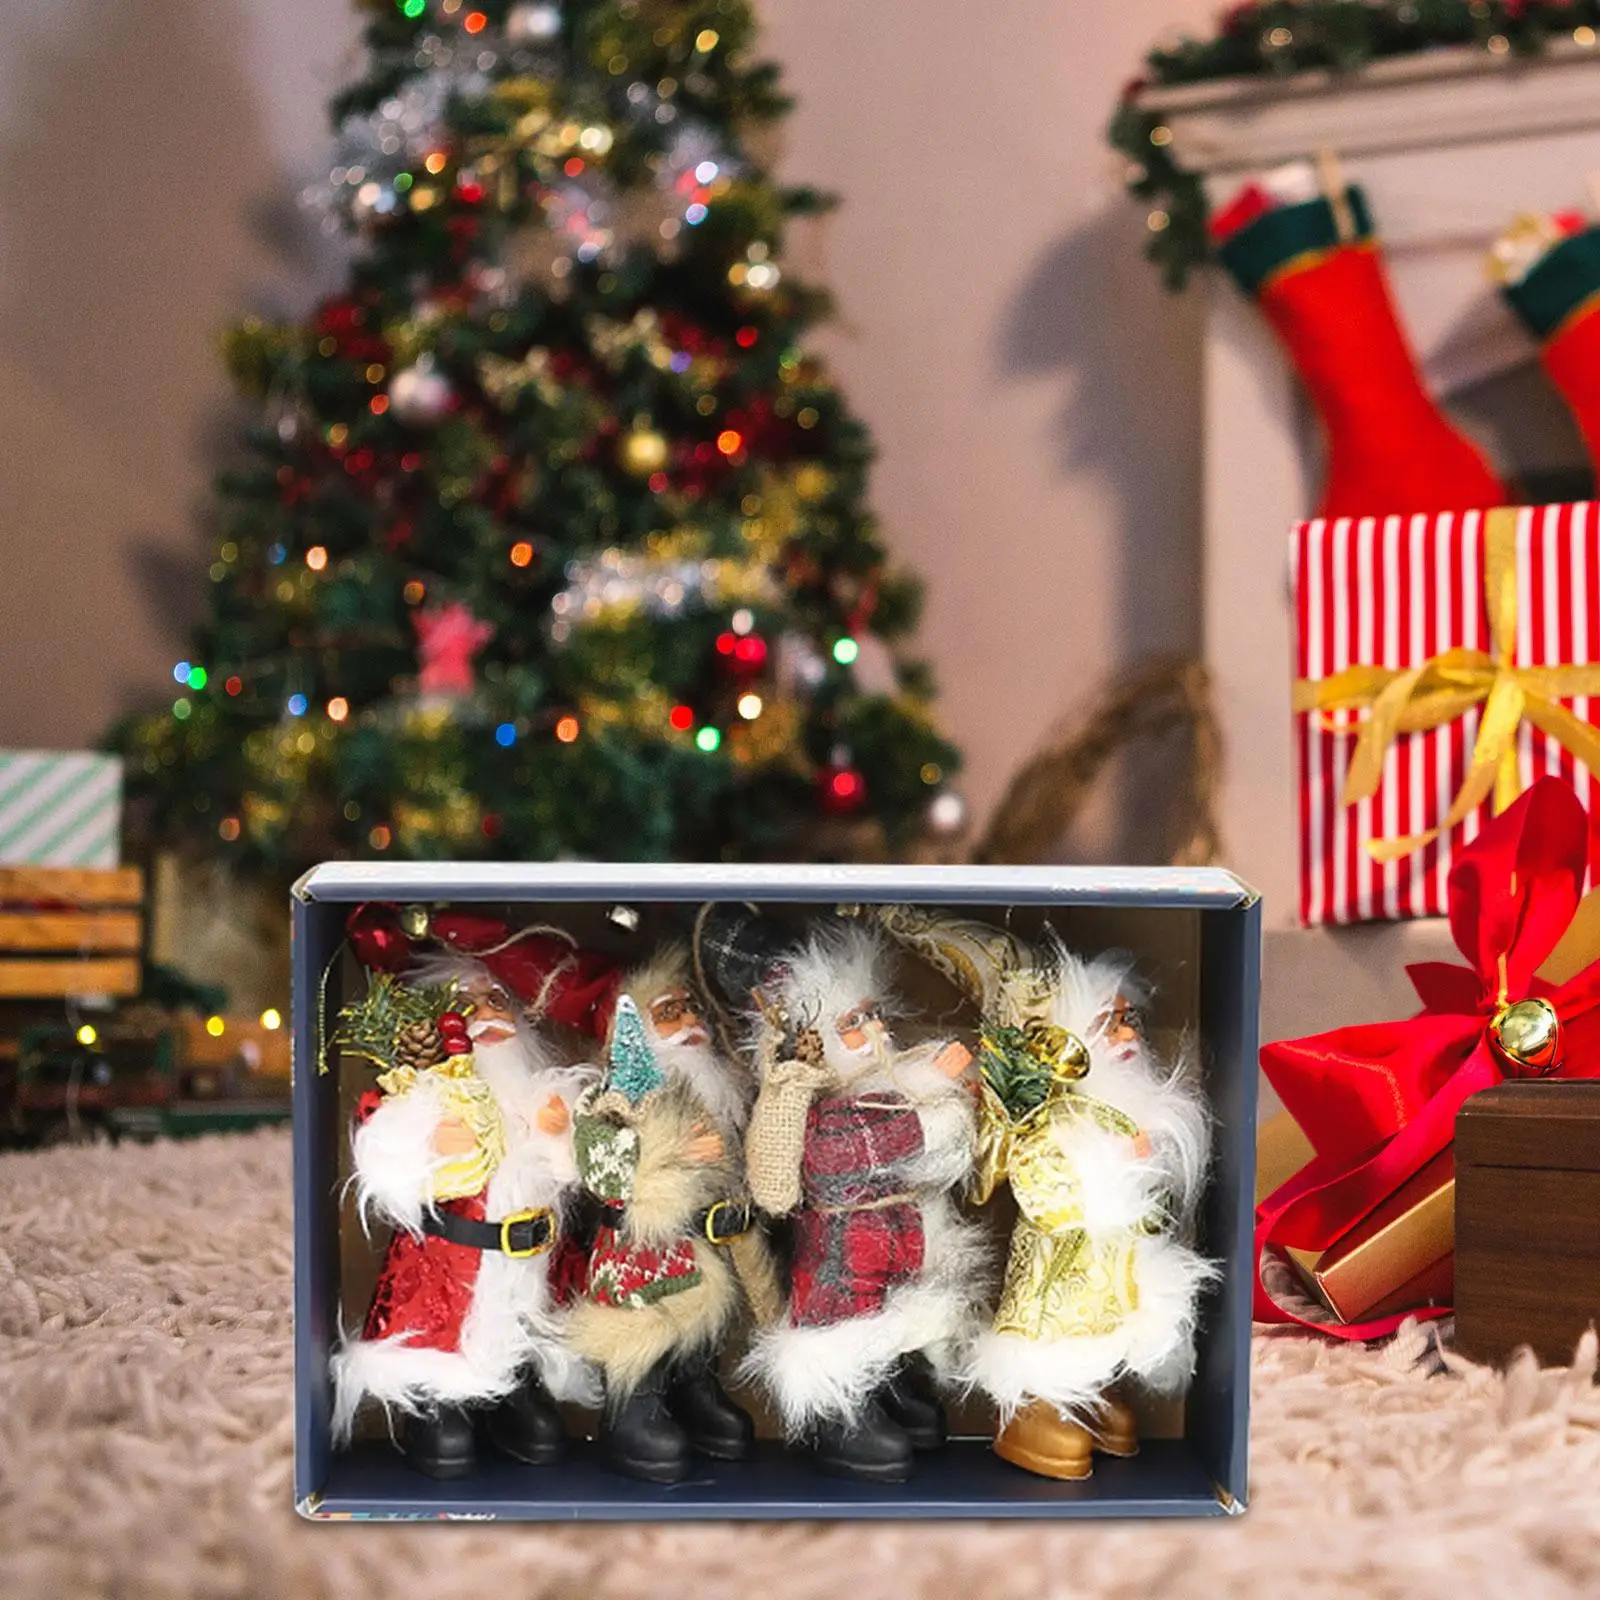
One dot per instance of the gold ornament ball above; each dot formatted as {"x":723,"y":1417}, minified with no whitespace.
{"x":1528,"y":1035}
{"x":643,"y":452}
{"x":415,"y":922}
{"x":812,"y":482}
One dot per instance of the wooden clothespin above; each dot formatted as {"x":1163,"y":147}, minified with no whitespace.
{"x":1330,"y":178}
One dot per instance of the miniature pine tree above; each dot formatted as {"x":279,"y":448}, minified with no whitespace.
{"x":552,"y":536}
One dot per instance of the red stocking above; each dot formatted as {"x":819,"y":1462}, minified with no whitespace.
{"x":1550,"y":272}
{"x":1319,"y":280}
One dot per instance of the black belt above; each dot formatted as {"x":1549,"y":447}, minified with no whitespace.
{"x":522,"y":1234}
{"x":720,"y":1223}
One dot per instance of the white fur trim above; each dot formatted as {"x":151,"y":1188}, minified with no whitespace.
{"x":402,"y":1378}
{"x":1116,"y":1189}
{"x":1154,"y":1345}
{"x":817,"y":1373}
{"x":394,"y":1160}
{"x":949,"y":1142}
{"x":812,"y":1374}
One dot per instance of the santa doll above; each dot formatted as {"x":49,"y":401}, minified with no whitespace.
{"x":1104,"y":1146}
{"x":864,"y":1145}
{"x":659,"y":1147}
{"x":466,"y":1151}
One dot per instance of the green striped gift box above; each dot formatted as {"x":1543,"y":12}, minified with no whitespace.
{"x":60,"y":808}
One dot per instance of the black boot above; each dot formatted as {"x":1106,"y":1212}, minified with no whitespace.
{"x":876,"y":1448}
{"x":909,"y":1399}
{"x":640,"y":1439}
{"x":527,"y":1426}
{"x":715,"y":1425}
{"x":440,"y":1442}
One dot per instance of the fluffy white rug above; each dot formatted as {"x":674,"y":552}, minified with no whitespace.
{"x":145,"y":1445}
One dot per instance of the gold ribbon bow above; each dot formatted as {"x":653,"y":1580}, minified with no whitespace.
{"x":1448,"y":685}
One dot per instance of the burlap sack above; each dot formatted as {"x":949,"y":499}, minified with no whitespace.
{"x":775,"y":1140}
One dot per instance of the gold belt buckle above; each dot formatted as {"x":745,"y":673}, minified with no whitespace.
{"x":507,"y":1223}
{"x":711,"y":1222}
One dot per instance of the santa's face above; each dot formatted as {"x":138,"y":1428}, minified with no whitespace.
{"x":674,"y":1020}
{"x":1120,"y":1025}
{"x":493,"y":1019}
{"x":857,"y":1041}
{"x":861,"y":1029}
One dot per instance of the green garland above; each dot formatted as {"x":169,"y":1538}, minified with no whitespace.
{"x":1277,"y":38}
{"x":371,"y":1026}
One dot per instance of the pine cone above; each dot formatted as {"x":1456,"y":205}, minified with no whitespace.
{"x":418,"y":1045}
{"x":808,"y":1047}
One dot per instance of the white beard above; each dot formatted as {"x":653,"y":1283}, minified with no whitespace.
{"x":522,"y":1081}
{"x":885,"y":1068}
{"x":718,"y":1084}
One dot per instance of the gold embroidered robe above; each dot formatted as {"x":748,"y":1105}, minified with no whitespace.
{"x":1059,"y":1283}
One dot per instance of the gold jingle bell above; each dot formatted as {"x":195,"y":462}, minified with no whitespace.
{"x":1062,"y":1051}
{"x":1527,"y":1034}
{"x":415,"y":922}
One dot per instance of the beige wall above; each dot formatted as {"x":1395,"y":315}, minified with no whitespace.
{"x":1033,"y":393}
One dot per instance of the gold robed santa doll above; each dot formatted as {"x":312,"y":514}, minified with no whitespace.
{"x":1105,"y":1149}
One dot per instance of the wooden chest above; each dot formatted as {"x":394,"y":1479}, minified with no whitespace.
{"x":1527,"y":1219}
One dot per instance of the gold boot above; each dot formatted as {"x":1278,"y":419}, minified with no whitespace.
{"x":1114,"y":1427}
{"x":1038,"y":1440}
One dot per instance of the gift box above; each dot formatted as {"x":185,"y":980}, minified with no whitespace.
{"x":1528,"y":1270}
{"x":1369,"y":1219}
{"x":1193,"y":933}
{"x":60,"y":808}
{"x":1442,"y":664}
{"x":1395,"y":1259}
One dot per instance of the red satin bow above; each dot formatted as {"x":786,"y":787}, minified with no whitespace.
{"x":566,"y":984}
{"x":1379,"y":1101}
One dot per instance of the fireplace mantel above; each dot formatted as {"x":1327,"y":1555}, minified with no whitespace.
{"x":1431,"y":101}
{"x":1449,"y":147}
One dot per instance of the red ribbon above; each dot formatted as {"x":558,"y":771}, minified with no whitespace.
{"x":570,"y":985}
{"x":1379,"y":1101}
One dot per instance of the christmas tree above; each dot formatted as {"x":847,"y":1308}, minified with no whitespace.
{"x":552,"y":536}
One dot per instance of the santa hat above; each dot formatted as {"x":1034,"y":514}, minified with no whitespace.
{"x":741,"y":956}
{"x":544,"y":968}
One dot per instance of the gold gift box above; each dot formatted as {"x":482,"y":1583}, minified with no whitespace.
{"x":1397,"y":1258}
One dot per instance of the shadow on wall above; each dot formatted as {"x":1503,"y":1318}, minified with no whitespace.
{"x":134,"y":151}
{"x":1093,"y":316}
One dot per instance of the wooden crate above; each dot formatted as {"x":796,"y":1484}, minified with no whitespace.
{"x":70,"y":930}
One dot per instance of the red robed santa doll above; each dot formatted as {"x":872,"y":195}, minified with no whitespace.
{"x":865,"y":1145}
{"x":469,"y":1157}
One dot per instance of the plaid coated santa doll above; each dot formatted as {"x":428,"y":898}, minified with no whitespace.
{"x":465,"y":1149}
{"x":865,"y":1146}
{"x":675,"y":1258}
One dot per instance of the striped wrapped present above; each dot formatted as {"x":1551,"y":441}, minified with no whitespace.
{"x":1442,"y":663}
{"x":60,"y":808}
